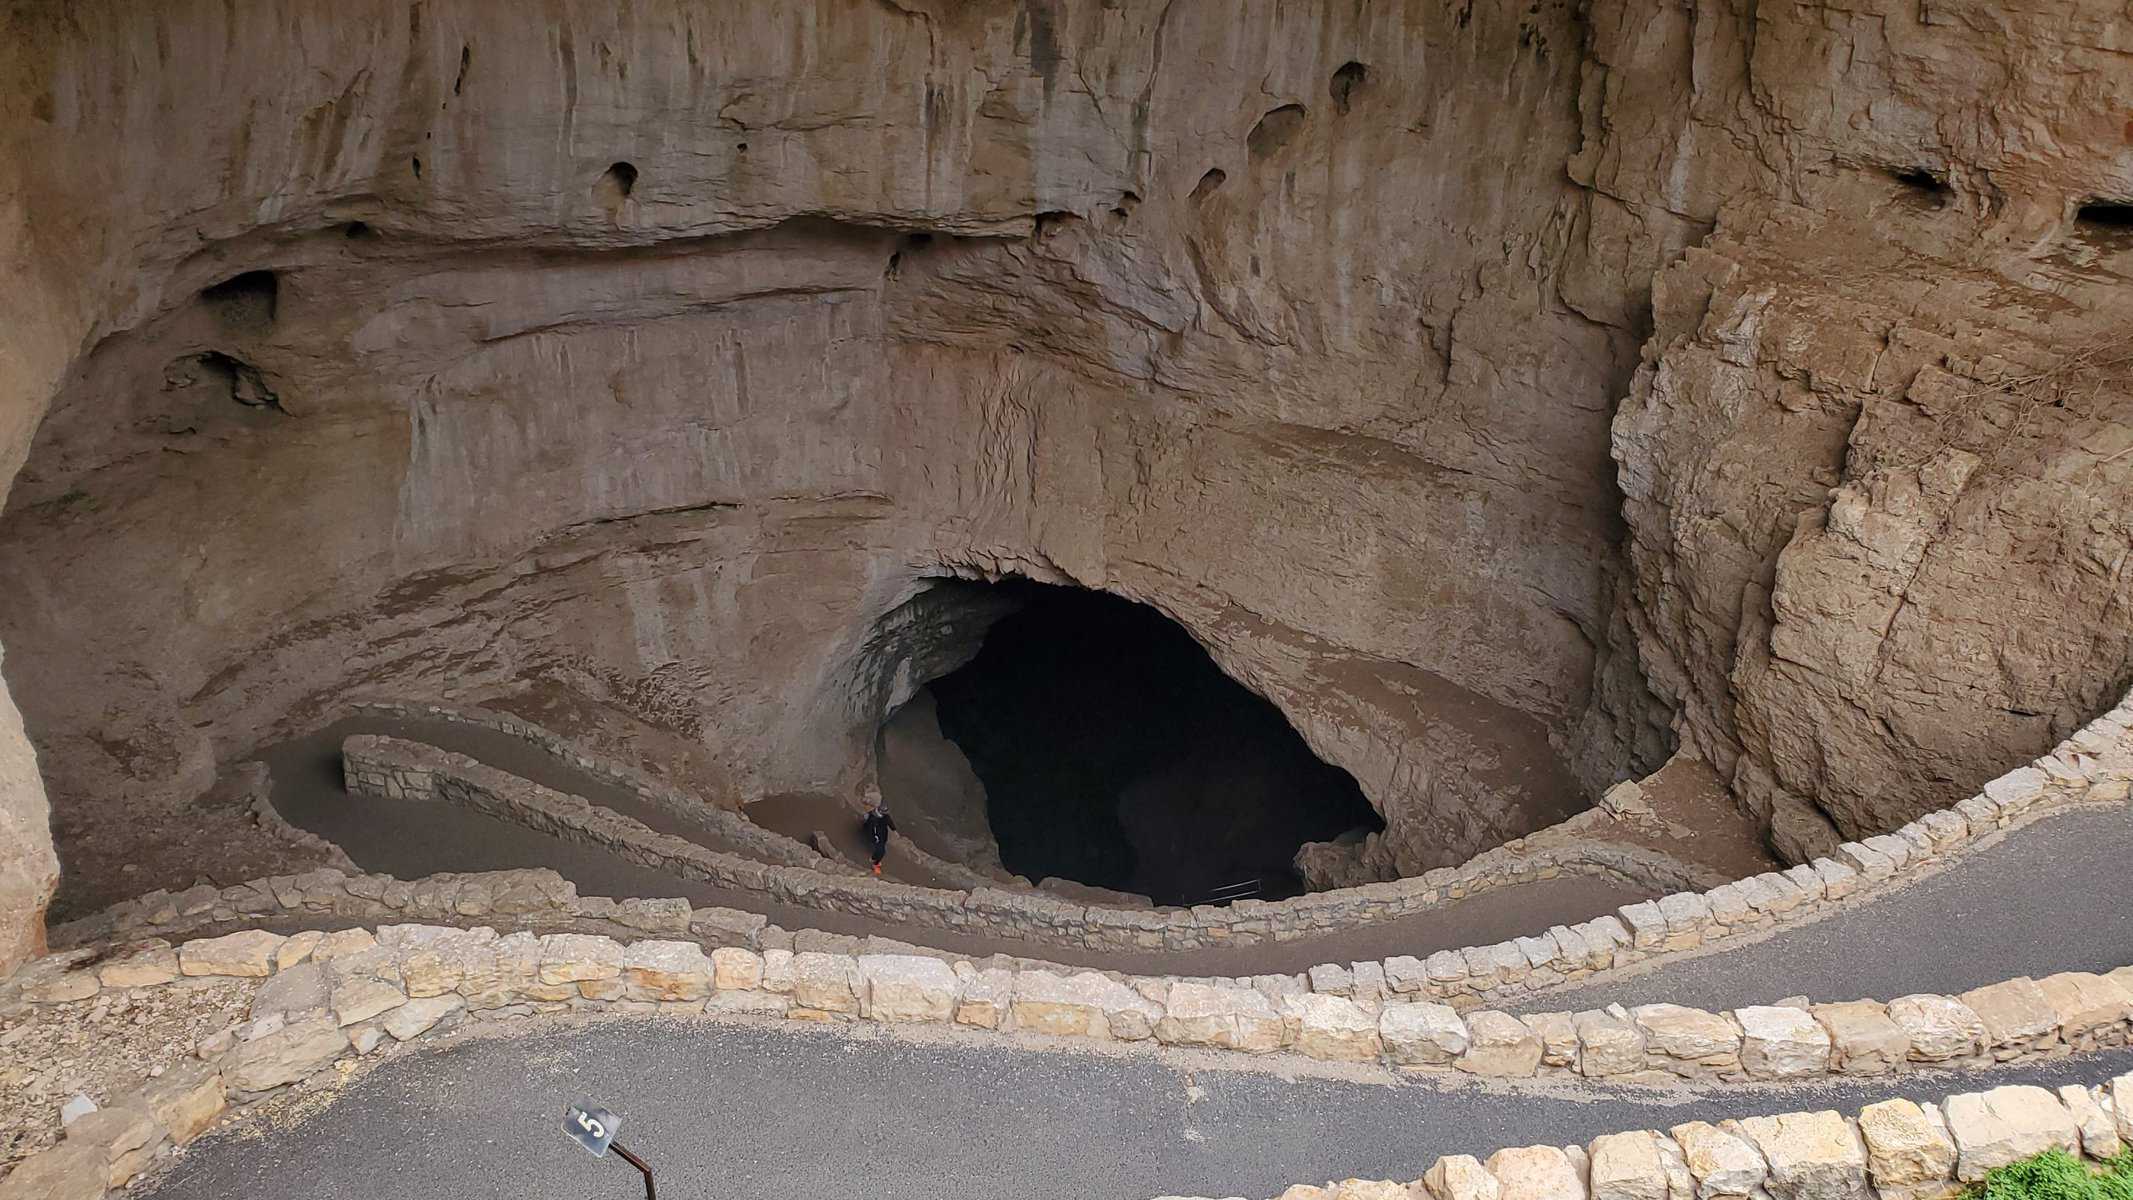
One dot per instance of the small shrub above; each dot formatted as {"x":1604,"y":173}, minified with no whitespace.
{"x":2057,"y":1175}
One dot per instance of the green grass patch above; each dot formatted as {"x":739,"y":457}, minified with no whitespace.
{"x":2057,"y":1175}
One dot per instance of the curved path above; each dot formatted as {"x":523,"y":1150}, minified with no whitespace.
{"x":2056,"y":895}
{"x":727,"y":1111}
{"x":410,"y":839}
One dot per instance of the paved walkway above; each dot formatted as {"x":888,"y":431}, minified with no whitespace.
{"x":730,"y":1111}
{"x":410,"y":839}
{"x":2053,"y":896}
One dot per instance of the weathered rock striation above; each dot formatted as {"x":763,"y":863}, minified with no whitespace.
{"x":662,"y":358}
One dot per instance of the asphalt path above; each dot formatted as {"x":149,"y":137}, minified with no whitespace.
{"x":2056,"y":895}
{"x":729,"y":1111}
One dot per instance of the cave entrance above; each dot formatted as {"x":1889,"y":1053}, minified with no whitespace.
{"x":1108,"y":749}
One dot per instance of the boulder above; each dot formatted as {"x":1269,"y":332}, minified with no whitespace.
{"x":2092,"y":1010}
{"x":2098,"y":1128}
{"x":302,"y":988}
{"x":1199,"y":1014}
{"x":126,"y":1132}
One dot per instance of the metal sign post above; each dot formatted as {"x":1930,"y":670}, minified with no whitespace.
{"x":594,"y":1128}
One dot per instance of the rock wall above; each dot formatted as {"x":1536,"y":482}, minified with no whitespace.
{"x":658,"y":354}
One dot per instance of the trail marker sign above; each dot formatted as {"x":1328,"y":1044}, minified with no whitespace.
{"x":591,"y":1127}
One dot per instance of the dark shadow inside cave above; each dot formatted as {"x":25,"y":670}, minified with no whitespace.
{"x":1115,"y":753}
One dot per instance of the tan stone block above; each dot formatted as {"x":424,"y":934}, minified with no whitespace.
{"x":143,"y":964}
{"x":1864,"y":1040}
{"x":1686,"y":1040}
{"x":2098,"y":1129}
{"x":1992,"y":1129}
{"x":734,"y":969}
{"x":298,"y":948}
{"x":2016,"y":1014}
{"x":361,"y":999}
{"x":1607,"y":1045}
{"x":1723,"y":1162}
{"x":1906,"y":1148}
{"x":1420,"y":1033}
{"x":1781,"y":1043}
{"x":577,"y":957}
{"x":1812,"y":1156}
{"x":1500,"y":1045}
{"x":1536,"y":1173}
{"x":666,"y":971}
{"x":1940,"y":1028}
{"x":1333,"y":1028}
{"x":1461,"y":1177}
{"x":2091,"y":1009}
{"x":1627,"y":1166}
{"x":247,"y":955}
{"x":907,"y":987}
{"x":186,"y":1099}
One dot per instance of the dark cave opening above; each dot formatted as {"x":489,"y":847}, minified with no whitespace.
{"x":1115,"y":753}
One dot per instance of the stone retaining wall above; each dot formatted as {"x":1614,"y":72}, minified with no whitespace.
{"x":2093,"y":765}
{"x":1328,"y":1013}
{"x":1893,"y":1150}
{"x":736,"y":829}
{"x":399,"y":769}
{"x":321,"y":999}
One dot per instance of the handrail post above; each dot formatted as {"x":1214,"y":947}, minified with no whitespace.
{"x":649,"y":1192}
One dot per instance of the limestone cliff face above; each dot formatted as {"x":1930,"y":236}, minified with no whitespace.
{"x":661,"y":355}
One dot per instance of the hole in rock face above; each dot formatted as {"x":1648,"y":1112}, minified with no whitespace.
{"x":358,"y":231}
{"x":2106,"y":215}
{"x":1274,"y":130}
{"x":1345,"y":83}
{"x":1113,"y":752}
{"x":621,"y":177}
{"x":1927,"y":188}
{"x":1214,"y":178}
{"x":244,"y":303}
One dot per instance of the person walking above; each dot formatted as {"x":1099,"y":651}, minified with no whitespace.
{"x":877,"y":824}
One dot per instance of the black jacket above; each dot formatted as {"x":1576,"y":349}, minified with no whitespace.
{"x":878,"y":825}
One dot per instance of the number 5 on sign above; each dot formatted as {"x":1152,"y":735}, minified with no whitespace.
{"x":592,"y":1128}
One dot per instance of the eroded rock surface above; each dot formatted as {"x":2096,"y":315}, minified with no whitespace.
{"x":660,"y":358}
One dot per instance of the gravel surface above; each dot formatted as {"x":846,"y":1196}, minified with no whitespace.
{"x":102,"y":1047}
